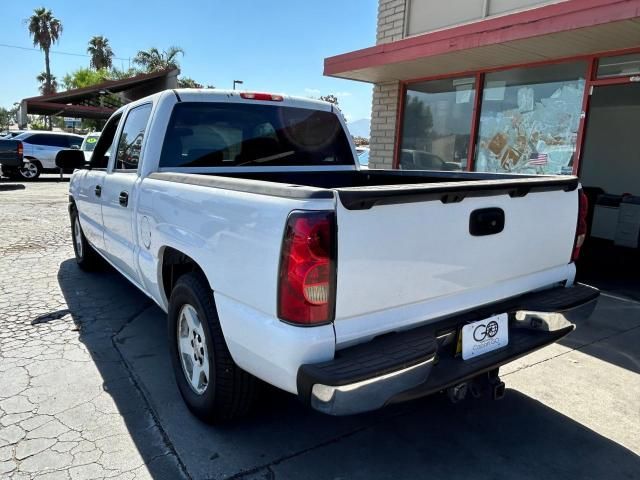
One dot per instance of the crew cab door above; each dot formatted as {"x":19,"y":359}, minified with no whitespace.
{"x":119,"y":189}
{"x":88,"y":197}
{"x":89,"y":205}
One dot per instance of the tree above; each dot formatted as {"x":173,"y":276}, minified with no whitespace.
{"x":85,"y":77}
{"x":7,"y":117}
{"x":117,"y":74}
{"x":187,"y":82}
{"x":37,"y":122}
{"x":101,"y":53}
{"x":329,"y":98}
{"x":153,"y":60}
{"x":45,"y":30}
{"x":48,"y":83}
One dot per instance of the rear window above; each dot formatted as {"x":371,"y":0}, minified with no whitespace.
{"x":235,"y":134}
{"x":75,"y":141}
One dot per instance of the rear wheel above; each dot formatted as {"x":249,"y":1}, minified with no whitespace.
{"x":214,"y":388}
{"x":30,"y":170}
{"x":86,"y":257}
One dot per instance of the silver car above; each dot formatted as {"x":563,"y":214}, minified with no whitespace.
{"x":40,"y":149}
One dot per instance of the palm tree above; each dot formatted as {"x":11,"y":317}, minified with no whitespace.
{"x":100,"y":51}
{"x":45,"y":30}
{"x":48,"y":83}
{"x":153,"y":60}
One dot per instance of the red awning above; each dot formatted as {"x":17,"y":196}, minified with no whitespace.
{"x":575,"y":28}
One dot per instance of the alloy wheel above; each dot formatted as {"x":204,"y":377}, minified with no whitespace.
{"x":192,"y":348}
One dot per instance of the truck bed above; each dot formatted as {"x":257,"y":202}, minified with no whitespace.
{"x":363,"y":189}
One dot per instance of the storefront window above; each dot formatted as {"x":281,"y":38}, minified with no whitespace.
{"x":436,"y":125}
{"x":529,"y":119}
{"x":620,"y":66}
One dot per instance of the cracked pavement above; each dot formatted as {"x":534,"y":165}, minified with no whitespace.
{"x":68,"y":403}
{"x":87,"y":391}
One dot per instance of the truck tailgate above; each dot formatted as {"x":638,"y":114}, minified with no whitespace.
{"x":403,"y":260}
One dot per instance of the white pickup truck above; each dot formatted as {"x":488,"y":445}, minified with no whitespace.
{"x":246,"y":218}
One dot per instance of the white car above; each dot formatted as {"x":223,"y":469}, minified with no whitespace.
{"x":89,"y":144}
{"x":40,"y":149}
{"x":363,"y":157}
{"x":246,"y":218}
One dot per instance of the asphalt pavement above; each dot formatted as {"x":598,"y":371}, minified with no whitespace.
{"x":87,"y":391}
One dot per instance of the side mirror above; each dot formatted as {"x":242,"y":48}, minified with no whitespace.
{"x":70,"y":159}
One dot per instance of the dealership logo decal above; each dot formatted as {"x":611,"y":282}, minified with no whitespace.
{"x":483,"y":331}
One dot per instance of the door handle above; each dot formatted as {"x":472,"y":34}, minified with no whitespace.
{"x":98,"y":190}
{"x":123,"y":199}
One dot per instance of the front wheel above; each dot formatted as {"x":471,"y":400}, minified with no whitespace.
{"x":86,"y":257}
{"x":214,"y":388}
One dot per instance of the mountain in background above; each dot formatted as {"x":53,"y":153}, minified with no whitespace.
{"x":360,"y":128}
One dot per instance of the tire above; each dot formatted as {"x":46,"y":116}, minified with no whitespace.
{"x":31,"y":170}
{"x":221,"y":391}
{"x":86,"y":257}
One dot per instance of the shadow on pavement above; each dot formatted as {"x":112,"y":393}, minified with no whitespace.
{"x":100,"y":304}
{"x":518,"y":437}
{"x":7,"y":187}
{"x":611,"y":334}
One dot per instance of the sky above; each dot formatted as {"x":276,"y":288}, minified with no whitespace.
{"x":271,"y":45}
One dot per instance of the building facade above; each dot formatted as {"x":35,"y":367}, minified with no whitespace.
{"x":520,"y":86}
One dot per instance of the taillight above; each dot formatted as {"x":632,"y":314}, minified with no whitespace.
{"x":306,"y":287}
{"x":262,"y":96}
{"x":20,"y":149}
{"x":581,"y":227}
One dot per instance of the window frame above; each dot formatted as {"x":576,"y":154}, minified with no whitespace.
{"x":533,"y":84}
{"x":477,"y":92}
{"x":113,"y":159}
{"x":116,"y":118}
{"x":590,"y":81}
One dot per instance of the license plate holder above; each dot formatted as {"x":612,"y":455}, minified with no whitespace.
{"x":484,"y":336}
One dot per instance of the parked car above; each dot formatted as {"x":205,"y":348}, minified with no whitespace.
{"x":10,"y":134}
{"x":89,"y":143}
{"x":40,"y":149}
{"x":363,"y":157}
{"x":246,"y":218}
{"x":421,"y":160}
{"x":11,"y":156}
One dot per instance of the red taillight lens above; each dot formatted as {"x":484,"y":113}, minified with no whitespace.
{"x":20,"y":149}
{"x":306,"y":289}
{"x":581,"y":228}
{"x":262,"y":96}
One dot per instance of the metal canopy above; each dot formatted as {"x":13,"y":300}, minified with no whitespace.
{"x":98,"y":101}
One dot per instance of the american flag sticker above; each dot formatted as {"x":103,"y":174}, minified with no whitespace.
{"x":538,"y":159}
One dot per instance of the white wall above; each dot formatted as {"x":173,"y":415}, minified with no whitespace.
{"x":428,"y":15}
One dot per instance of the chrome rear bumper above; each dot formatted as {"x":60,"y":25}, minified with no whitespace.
{"x":365,"y":378}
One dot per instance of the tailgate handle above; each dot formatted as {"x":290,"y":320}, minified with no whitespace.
{"x":486,"y":221}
